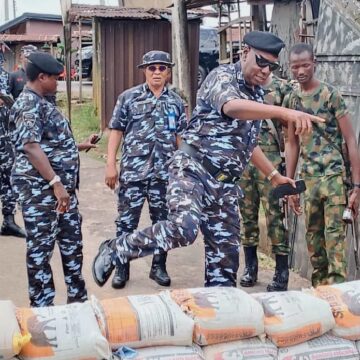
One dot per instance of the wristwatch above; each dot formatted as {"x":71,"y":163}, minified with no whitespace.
{"x":356,"y":185}
{"x":272,"y":174}
{"x":55,"y":180}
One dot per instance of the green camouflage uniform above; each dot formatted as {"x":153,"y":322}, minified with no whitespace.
{"x":323,"y":170}
{"x":257,"y":188}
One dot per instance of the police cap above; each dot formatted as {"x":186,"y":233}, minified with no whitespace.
{"x":264,"y":41}
{"x":156,"y":57}
{"x":46,"y":63}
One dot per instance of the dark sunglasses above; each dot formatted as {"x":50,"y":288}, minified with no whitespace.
{"x":263,"y":63}
{"x":153,"y":68}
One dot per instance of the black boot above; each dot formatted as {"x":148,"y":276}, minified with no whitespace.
{"x":9,"y":227}
{"x":122,"y":273}
{"x":281,"y":276}
{"x":249,"y":277}
{"x":158,"y":271}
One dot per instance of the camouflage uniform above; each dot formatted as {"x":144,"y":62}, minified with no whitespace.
{"x":6,"y":152}
{"x":322,"y":170}
{"x":33,"y":119}
{"x":148,"y":144}
{"x":256,"y":188}
{"x":197,"y":199}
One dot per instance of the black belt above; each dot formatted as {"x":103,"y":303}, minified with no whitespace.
{"x":215,"y":172}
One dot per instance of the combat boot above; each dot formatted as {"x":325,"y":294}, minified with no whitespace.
{"x":249,"y":277}
{"x":10,"y":228}
{"x":122,"y":273}
{"x":281,"y":276}
{"x":158,"y":271}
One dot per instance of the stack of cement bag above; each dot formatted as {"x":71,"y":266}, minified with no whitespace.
{"x":191,"y":324}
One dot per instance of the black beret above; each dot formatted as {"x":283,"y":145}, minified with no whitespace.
{"x":264,"y":41}
{"x":46,"y":63}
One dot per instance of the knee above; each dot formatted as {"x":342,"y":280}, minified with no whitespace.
{"x":185,"y":228}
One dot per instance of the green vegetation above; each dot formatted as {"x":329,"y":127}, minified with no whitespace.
{"x":85,"y":122}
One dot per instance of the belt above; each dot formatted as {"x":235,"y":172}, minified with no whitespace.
{"x":215,"y":172}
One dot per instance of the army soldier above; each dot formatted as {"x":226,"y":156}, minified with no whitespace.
{"x":45,"y":177}
{"x":9,"y":227}
{"x":216,"y":147}
{"x":17,"y":78}
{"x":323,"y":167}
{"x":257,"y":188}
{"x":149,"y":117}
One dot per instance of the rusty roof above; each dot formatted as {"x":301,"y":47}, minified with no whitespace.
{"x":29,"y":38}
{"x":89,"y":11}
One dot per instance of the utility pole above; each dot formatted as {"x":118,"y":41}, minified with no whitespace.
{"x":6,"y":10}
{"x":180,"y":50}
{"x":14,"y":8}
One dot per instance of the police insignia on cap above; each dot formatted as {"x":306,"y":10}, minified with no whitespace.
{"x":29,"y":120}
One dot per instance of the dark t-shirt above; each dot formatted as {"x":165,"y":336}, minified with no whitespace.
{"x":17,"y":81}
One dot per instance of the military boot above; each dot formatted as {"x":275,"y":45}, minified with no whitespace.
{"x":10,"y":228}
{"x":281,"y":276}
{"x":122,"y":273}
{"x":249,"y":277}
{"x":158,"y":271}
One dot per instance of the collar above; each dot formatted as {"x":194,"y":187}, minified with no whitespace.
{"x":146,"y":89}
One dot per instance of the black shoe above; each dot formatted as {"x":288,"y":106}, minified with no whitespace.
{"x":281,"y":277}
{"x":103,"y":266}
{"x":122,"y":273}
{"x":249,"y":277}
{"x":10,"y":228}
{"x":158,"y":271}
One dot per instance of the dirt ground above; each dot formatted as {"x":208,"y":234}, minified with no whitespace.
{"x":98,"y":207}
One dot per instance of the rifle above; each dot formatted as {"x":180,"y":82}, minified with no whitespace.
{"x":356,"y":244}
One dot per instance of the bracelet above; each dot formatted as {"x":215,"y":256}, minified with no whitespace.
{"x":272,"y":174}
{"x":54,"y":180}
{"x":356,"y":185}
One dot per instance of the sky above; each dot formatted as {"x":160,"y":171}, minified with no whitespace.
{"x":53,"y":7}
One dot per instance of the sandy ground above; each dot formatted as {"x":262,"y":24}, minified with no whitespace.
{"x":98,"y":207}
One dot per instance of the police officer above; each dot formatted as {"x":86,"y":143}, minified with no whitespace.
{"x":9,"y":227}
{"x":149,"y":118}
{"x":17,"y":79}
{"x":257,"y":189}
{"x":45,"y":177}
{"x":217,"y":145}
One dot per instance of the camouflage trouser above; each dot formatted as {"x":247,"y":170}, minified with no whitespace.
{"x":6,"y":162}
{"x":256,"y":188}
{"x":195,"y":200}
{"x":325,"y":202}
{"x":44,"y":226}
{"x":131,"y":198}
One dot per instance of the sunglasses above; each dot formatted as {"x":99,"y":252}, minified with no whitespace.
{"x":263,"y":63}
{"x":153,"y":68}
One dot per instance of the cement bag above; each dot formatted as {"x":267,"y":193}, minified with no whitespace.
{"x":293,"y":317}
{"x":248,"y":349}
{"x":344,"y":300}
{"x":143,"y":320}
{"x":170,"y":353}
{"x":326,"y":347}
{"x":221,"y":314}
{"x":62,"y":333}
{"x":11,"y":340}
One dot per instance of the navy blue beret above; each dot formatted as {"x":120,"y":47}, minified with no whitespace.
{"x":264,"y":41}
{"x":46,"y":63}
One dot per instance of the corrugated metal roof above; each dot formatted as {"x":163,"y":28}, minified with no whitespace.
{"x":89,"y":11}
{"x":29,"y":38}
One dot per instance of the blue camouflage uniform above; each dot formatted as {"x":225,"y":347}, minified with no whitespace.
{"x":34,"y":119}
{"x":195,"y":197}
{"x":6,"y":153}
{"x":149,"y":142}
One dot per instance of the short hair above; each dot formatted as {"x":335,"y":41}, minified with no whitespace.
{"x":32,"y":71}
{"x":300,"y":48}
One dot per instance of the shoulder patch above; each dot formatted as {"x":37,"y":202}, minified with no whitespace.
{"x":225,"y":77}
{"x":29,"y":120}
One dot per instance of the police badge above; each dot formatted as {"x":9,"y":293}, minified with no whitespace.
{"x":29,"y":120}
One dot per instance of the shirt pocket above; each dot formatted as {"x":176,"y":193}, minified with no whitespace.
{"x":138,"y":150}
